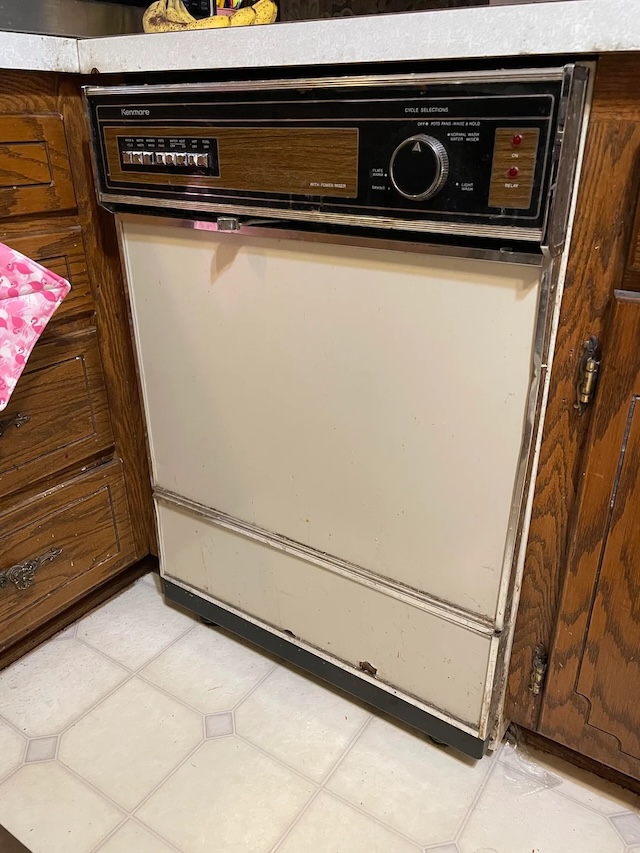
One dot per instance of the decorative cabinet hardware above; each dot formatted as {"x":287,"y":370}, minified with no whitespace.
{"x":21,"y":575}
{"x":16,"y":421}
{"x":587,"y":375}
{"x":539,"y":670}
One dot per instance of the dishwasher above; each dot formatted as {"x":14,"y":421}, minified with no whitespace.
{"x":344,"y":295}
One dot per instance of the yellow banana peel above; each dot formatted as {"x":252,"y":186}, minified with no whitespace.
{"x":165,"y":16}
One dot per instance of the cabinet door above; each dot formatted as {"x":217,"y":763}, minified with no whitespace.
{"x":35,"y":174}
{"x":59,"y":545}
{"x":592,"y":697}
{"x":58,"y":414}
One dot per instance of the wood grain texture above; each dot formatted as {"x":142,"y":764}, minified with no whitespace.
{"x":63,"y":396}
{"x":61,"y":250}
{"x":513,"y":192}
{"x":634,"y":252}
{"x":113,"y":322}
{"x":88,"y":518}
{"x":283,"y":159}
{"x":593,"y":684}
{"x":598,"y":252}
{"x":85,"y":603}
{"x":75,"y":489}
{"x":34,"y":166}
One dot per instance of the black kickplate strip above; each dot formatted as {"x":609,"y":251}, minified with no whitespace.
{"x":340,"y":678}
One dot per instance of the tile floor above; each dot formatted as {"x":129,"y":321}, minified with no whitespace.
{"x":141,"y":730}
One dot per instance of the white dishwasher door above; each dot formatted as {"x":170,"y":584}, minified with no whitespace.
{"x":366,"y":406}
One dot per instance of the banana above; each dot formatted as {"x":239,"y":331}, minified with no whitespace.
{"x":177,"y":13}
{"x":214,"y":22}
{"x":164,"y":16}
{"x":243,"y":17}
{"x":266,"y":12}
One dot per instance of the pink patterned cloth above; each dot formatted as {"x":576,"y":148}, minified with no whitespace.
{"x":29,"y":294}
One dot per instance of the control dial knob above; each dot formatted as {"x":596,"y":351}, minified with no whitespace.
{"x":419,"y":167}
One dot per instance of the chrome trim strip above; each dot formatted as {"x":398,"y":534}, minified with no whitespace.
{"x":377,"y":682}
{"x":513,"y":75}
{"x":422,"y":601}
{"x":567,"y":143}
{"x":256,"y":229}
{"x":499,"y":232}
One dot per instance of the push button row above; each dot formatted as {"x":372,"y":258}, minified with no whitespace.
{"x":194,"y":159}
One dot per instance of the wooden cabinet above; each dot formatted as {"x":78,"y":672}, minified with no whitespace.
{"x":58,"y":414}
{"x":575,"y":669}
{"x":35,"y":173}
{"x":73,"y":471}
{"x":593,"y":682}
{"x":61,"y":544}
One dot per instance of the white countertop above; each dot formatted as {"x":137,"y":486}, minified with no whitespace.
{"x":27,"y":52}
{"x":535,"y":29}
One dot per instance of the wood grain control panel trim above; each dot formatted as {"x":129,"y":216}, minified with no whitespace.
{"x":298,"y":160}
{"x":514,"y":166}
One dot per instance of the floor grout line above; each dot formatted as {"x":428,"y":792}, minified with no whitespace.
{"x":475,"y":799}
{"x":132,"y":819}
{"x":112,"y":832}
{"x":253,"y":689}
{"x":364,"y":725}
{"x":296,"y":820}
{"x":278,"y":760}
{"x":156,"y":788}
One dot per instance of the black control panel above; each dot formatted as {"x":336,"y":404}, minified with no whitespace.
{"x":475,"y":155}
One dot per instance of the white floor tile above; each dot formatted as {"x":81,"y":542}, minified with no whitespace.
{"x":414,"y":787}
{"x":514,"y":814}
{"x":47,"y":690}
{"x":316,"y":727}
{"x":51,"y":811}
{"x":134,"y":626}
{"x":127,"y":744}
{"x":330,"y":826}
{"x":132,"y":838}
{"x":581,"y":786}
{"x":227,"y":797}
{"x":208,"y":669}
{"x":12,"y":748}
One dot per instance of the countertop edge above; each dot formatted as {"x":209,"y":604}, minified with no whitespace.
{"x":33,"y":52}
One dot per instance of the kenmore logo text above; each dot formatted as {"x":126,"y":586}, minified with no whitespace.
{"x":125,"y":112}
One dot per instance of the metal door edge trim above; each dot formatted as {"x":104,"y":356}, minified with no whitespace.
{"x":423,"y":227}
{"x":257,"y":230}
{"x":458,"y":733}
{"x":464,"y":619}
{"x":513,"y":75}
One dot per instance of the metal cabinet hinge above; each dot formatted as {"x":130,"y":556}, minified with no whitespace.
{"x":587,"y":375}
{"x":538,"y":670}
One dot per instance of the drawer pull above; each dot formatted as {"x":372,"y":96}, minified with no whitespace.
{"x":17,"y":421}
{"x":22,"y":574}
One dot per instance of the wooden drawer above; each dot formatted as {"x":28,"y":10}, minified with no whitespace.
{"x":75,"y":537}
{"x":35,"y":175}
{"x":58,"y":414}
{"x":61,"y":250}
